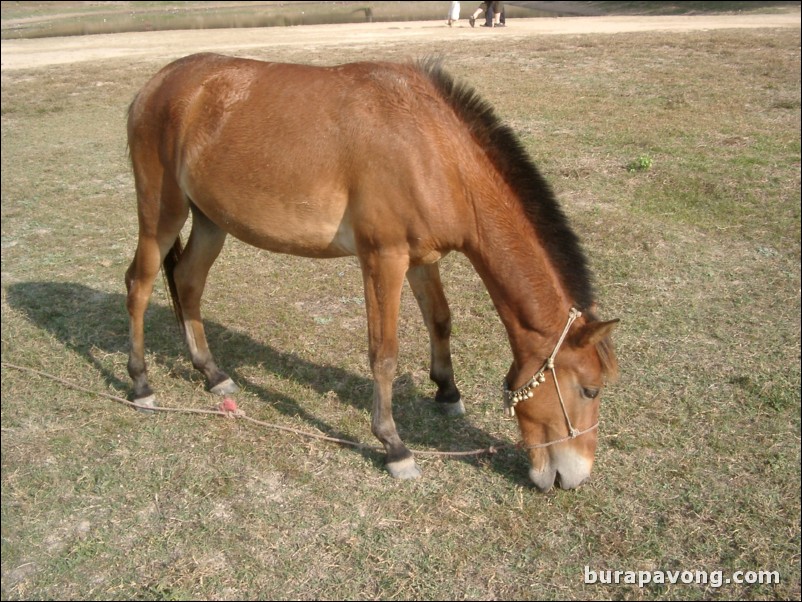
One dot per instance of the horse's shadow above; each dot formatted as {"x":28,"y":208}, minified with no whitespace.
{"x":88,"y":321}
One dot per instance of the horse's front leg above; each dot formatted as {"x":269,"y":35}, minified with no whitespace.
{"x":428,"y":290}
{"x":384,"y":277}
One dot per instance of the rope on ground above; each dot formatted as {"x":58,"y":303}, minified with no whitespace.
{"x":241,"y":415}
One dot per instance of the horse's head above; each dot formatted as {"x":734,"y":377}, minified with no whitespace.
{"x":558,"y":410}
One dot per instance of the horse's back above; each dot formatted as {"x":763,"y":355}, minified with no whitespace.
{"x":302,"y":159}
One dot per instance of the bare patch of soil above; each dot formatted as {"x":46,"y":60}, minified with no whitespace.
{"x":26,"y":54}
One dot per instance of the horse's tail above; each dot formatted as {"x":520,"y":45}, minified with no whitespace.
{"x":168,"y":269}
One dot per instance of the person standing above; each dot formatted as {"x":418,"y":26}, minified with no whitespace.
{"x":494,"y":14}
{"x":453,"y":13}
{"x":497,"y":18}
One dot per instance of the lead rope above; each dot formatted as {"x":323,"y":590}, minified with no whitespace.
{"x":223,"y":411}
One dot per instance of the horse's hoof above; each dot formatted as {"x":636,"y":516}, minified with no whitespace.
{"x":225,"y":387}
{"x":404,"y":469}
{"x":143,"y":403}
{"x":456,"y":408}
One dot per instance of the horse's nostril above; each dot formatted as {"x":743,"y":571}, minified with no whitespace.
{"x":564,"y":483}
{"x":543,"y":480}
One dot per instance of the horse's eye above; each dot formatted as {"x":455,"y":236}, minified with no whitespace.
{"x":590,"y":392}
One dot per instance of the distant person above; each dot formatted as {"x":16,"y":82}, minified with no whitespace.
{"x":453,"y":13}
{"x":479,"y":10}
{"x":494,"y":14}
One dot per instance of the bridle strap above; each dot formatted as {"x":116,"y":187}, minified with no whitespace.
{"x":561,"y":440}
{"x":512,"y":398}
{"x":571,"y":430}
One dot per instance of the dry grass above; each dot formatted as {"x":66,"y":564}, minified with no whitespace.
{"x":64,"y":18}
{"x":699,"y":461}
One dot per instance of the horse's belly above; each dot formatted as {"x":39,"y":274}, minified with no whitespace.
{"x":306,"y":228}
{"x":313,"y":238}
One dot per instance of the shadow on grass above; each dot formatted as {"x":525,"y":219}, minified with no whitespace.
{"x":88,"y":321}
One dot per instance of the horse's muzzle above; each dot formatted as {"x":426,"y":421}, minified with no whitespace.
{"x":567,"y":469}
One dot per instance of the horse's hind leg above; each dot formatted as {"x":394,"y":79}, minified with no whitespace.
{"x":428,"y":290}
{"x":160,"y":223}
{"x":189,"y":274}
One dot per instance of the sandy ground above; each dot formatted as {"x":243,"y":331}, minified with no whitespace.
{"x":26,"y":54}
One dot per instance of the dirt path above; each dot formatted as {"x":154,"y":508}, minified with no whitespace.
{"x":25,"y":54}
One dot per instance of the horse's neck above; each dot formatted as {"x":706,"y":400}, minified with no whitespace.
{"x":521,"y":280}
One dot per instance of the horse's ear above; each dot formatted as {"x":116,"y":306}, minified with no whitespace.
{"x":593,"y":333}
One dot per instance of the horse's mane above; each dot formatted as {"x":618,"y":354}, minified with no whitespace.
{"x":510,"y":158}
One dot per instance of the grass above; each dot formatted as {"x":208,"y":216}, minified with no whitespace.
{"x":42,"y":19}
{"x":68,"y":18}
{"x":685,"y":7}
{"x":698,"y":466}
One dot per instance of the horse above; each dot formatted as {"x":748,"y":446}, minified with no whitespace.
{"x":397,"y":164}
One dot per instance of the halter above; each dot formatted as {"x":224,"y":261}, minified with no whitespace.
{"x":512,"y":398}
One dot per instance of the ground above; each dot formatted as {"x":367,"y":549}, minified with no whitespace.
{"x":24,"y":54}
{"x":676,"y":155}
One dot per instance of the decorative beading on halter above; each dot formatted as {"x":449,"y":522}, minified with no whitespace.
{"x":512,"y":398}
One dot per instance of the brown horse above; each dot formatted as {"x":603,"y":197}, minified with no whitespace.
{"x":398,"y":165}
